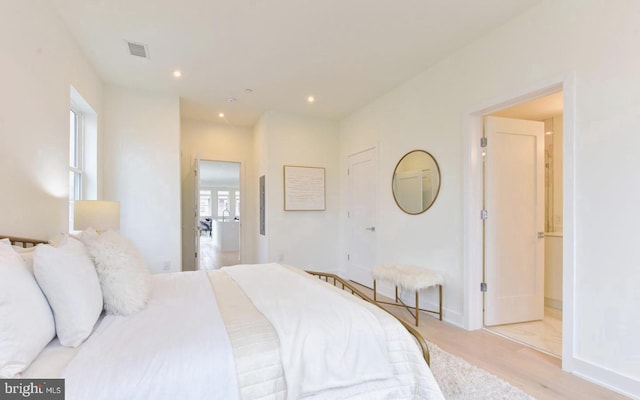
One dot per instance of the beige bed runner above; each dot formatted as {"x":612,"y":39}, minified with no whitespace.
{"x":254,"y":342}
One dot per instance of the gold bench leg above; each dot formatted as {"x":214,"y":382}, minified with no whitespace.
{"x":417,"y":307}
{"x":374,"y":290}
{"x":440,"y":309}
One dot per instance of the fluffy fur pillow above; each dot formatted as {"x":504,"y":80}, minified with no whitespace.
{"x":123,"y":273}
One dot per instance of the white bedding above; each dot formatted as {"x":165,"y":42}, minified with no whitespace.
{"x":326,"y":341}
{"x":176,"y":348}
{"x":174,"y":337}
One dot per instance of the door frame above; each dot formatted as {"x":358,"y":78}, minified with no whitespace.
{"x":472,"y":204}
{"x":243,"y":207}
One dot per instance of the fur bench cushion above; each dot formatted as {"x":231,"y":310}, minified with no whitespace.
{"x":407,"y":277}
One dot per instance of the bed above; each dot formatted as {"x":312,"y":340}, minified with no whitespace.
{"x":265,"y":331}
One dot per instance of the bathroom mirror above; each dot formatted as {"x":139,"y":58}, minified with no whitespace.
{"x":416,"y":182}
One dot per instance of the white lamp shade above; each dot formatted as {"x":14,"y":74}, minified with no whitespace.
{"x":99,"y":215}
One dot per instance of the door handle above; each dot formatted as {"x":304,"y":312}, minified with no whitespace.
{"x":372,"y":229}
{"x":540,"y":235}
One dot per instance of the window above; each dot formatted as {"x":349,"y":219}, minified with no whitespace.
{"x":205,"y":203}
{"x":83,"y":151}
{"x":223,"y":202}
{"x":76,"y":171}
{"x":237,"y":203}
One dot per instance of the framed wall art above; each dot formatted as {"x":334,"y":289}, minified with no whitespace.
{"x":304,"y":188}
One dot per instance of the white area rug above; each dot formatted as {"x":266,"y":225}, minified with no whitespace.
{"x":460,"y":380}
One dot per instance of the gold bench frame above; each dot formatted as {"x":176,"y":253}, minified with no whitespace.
{"x":414,"y":311}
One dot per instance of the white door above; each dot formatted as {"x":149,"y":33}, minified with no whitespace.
{"x":196,"y":173}
{"x":361,"y":214}
{"x":514,"y":238}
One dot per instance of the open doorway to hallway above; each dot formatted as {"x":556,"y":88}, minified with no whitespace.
{"x":522,"y":193}
{"x":219,"y":197}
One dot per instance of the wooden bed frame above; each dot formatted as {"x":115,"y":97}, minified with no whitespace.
{"x":24,"y":242}
{"x":329,"y":278}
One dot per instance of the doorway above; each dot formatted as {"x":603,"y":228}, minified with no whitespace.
{"x":218,"y":214}
{"x":523,"y":235}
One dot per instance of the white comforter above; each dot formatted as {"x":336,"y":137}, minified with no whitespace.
{"x":176,"y":348}
{"x":326,"y":341}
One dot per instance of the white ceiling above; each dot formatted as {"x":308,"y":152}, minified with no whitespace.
{"x":535,"y":110}
{"x":344,"y":52}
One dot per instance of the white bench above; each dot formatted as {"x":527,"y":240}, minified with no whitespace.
{"x":408,"y":278}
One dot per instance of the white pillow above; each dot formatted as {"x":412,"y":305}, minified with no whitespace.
{"x":26,"y":321}
{"x":124,"y":276}
{"x":68,"y":278}
{"x":27,"y":255}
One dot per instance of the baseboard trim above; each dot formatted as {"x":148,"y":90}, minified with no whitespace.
{"x":612,"y":380}
{"x":553,"y":303}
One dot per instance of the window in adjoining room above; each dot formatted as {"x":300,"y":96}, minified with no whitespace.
{"x":237,"y":203}
{"x":205,"y":203}
{"x":223,"y":202}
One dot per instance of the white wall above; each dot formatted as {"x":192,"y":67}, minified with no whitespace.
{"x":39,"y":61}
{"x":598,"y":42}
{"x":305,"y":239}
{"x":261,"y":168}
{"x":218,"y":142}
{"x":141,"y":169}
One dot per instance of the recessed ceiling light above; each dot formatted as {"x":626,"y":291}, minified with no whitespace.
{"x":231,"y":99}
{"x":311,"y":99}
{"x":177,"y":73}
{"x":221,"y":115}
{"x":248,"y":91}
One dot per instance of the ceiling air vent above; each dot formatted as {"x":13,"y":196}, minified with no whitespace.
{"x":138,"y":50}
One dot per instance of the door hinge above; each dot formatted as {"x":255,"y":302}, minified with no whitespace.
{"x":196,"y":254}
{"x":484,"y":214}
{"x":348,"y":214}
{"x":348,"y":257}
{"x":483,"y":142}
{"x":348,"y":171}
{"x":483,"y":286}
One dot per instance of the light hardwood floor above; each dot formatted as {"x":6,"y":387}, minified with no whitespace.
{"x":212,"y":258}
{"x":532,"y":371}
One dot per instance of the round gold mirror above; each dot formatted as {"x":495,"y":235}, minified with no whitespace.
{"x":416,"y":182}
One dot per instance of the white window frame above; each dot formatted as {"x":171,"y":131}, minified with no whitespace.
{"x":206,"y":205}
{"x":227,"y":196}
{"x":236,"y":201}
{"x":76,"y":191}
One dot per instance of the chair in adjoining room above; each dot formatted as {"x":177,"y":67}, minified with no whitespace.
{"x":409,"y":278}
{"x":205,"y":226}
